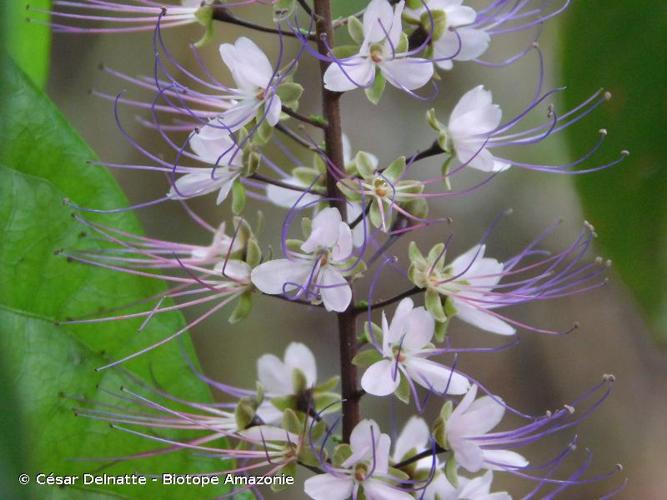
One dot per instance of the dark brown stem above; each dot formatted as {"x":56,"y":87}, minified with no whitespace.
{"x":392,"y":300}
{"x":333,"y":136}
{"x":434,"y":150}
{"x":220,"y":13}
{"x":419,"y":456}
{"x":295,"y":137}
{"x":303,"y":118}
{"x":268,"y":180}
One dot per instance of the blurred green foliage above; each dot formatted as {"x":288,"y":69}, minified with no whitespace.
{"x":28,"y":42}
{"x":51,"y":367}
{"x":622,"y":46}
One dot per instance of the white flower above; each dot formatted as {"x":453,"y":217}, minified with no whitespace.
{"x":471,"y":290}
{"x":405,"y":347}
{"x":276,"y":377}
{"x":470,"y":421}
{"x":318,"y":272}
{"x":253,"y":74}
{"x":275,"y":374}
{"x":479,"y":488}
{"x":367,"y":468}
{"x":216,"y":147}
{"x":471,"y":124}
{"x":235,"y":270}
{"x":221,"y":246}
{"x":416,"y":437}
{"x":382,"y":33}
{"x":288,"y":198}
{"x":460,"y":41}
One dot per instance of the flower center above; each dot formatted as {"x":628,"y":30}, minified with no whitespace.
{"x":376,"y":54}
{"x":360,"y":472}
{"x":381,"y":187}
{"x":399,"y":356}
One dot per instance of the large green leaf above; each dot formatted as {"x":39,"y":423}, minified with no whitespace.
{"x":29,"y":42}
{"x":621,"y":45}
{"x":42,"y":161}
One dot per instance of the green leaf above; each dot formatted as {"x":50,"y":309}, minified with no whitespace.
{"x":433,"y":303}
{"x":238,"y":197}
{"x":366,"y":358}
{"x":395,"y":169}
{"x":356,"y":29}
{"x":403,"y":390}
{"x":44,"y":161}
{"x":290,"y":93}
{"x":375,"y":91}
{"x":242,"y":309}
{"x":626,"y":204}
{"x":345,"y":51}
{"x":29,"y":43}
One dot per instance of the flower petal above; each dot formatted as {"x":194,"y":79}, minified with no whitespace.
{"x":398,"y":321}
{"x":483,"y":415}
{"x":274,"y":108}
{"x":297,"y":355}
{"x":364,"y":437}
{"x":349,"y":74}
{"x":435,"y":377}
{"x":419,"y":329}
{"x":248,"y":64}
{"x":468,"y":455}
{"x":274,"y":375}
{"x":200,"y":183}
{"x":374,"y":489}
{"x":328,"y":487}
{"x":472,"y":100}
{"x":325,"y":230}
{"x":288,"y":198}
{"x":477,"y":486}
{"x":482,"y":319}
{"x":272,"y":276}
{"x":502,"y":459}
{"x":415,"y":435}
{"x":407,"y":73}
{"x":334,"y":289}
{"x":379,"y":379}
{"x":378,"y":19}
{"x":343,"y":248}
{"x":233,"y":269}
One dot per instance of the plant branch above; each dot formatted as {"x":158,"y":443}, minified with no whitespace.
{"x":392,"y":300}
{"x":220,"y":13}
{"x":295,"y":137}
{"x":303,"y":118}
{"x":333,"y":136}
{"x":433,"y":150}
{"x":419,"y":456}
{"x":268,"y":180}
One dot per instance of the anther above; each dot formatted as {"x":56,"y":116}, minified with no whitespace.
{"x":603,"y":132}
{"x":625,"y":153}
{"x":569,"y":408}
{"x":619,"y":467}
{"x":608,"y":377}
{"x":607,"y":96}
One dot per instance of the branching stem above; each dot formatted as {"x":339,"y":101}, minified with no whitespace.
{"x":333,"y":137}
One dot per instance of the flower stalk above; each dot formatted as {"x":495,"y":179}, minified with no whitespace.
{"x":333,"y":139}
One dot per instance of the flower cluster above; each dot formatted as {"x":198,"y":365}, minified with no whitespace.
{"x":248,"y":140}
